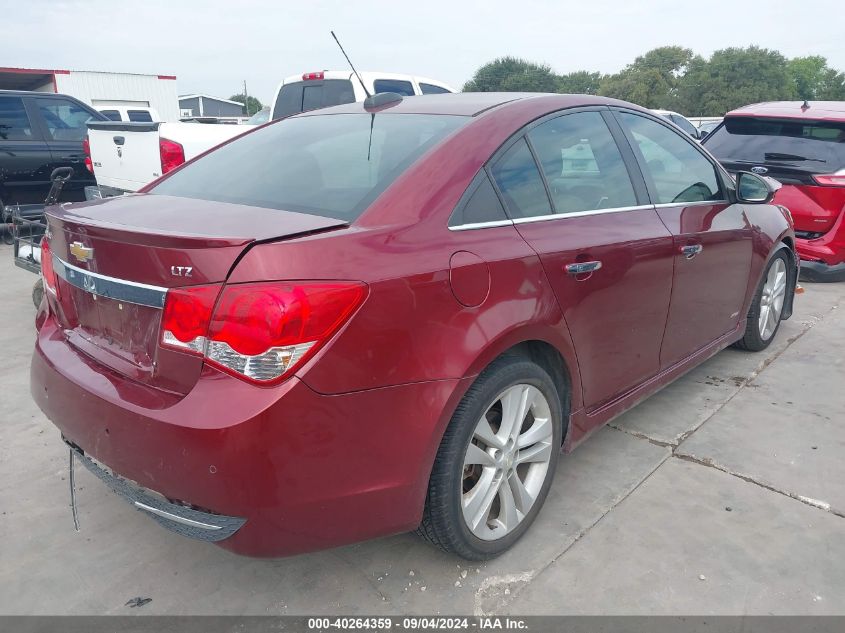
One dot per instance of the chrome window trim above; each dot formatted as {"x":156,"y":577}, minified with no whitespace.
{"x":665,"y":205}
{"x":110,"y":287}
{"x":480,"y":225}
{"x":580,"y":214}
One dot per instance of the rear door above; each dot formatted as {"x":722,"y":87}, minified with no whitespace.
{"x":799,"y":153}
{"x":605,"y":251}
{"x":64,"y":123}
{"x":24,"y":156}
{"x":713,"y":238}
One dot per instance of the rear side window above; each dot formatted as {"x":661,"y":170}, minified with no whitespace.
{"x":394,"y":85}
{"x":14,"y":123}
{"x":483,"y":205}
{"x":333,"y":166}
{"x":302,"y":96}
{"x":431,"y":89}
{"x":582,"y":163}
{"x":520,"y":182}
{"x":65,"y":120}
{"x":678,"y":171}
{"x":111,"y":115}
{"x":140,"y":116}
{"x":818,"y":146}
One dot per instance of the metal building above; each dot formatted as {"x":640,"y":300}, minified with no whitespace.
{"x":202,"y":105}
{"x":100,"y":89}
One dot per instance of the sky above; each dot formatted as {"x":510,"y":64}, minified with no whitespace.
{"x":212,"y":46}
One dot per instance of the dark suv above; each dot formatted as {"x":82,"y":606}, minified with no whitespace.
{"x":38,"y":133}
{"x":802,"y":145}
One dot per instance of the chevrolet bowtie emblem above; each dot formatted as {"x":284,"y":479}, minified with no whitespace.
{"x":80,"y":252}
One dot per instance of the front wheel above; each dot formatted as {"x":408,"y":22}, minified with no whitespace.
{"x":766,"y":309}
{"x":496,"y":461}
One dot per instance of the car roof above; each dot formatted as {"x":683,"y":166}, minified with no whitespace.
{"x":815,"y":110}
{"x":367,"y":75}
{"x":467,"y":103}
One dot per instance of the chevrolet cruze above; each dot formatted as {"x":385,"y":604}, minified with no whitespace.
{"x":395,"y":315}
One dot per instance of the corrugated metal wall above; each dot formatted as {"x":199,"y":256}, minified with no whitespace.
{"x":89,"y":86}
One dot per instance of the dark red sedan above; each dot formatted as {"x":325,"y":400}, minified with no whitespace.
{"x":370,"y":319}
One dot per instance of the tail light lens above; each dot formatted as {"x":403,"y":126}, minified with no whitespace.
{"x":830,"y":180}
{"x":47,"y":271}
{"x":259,"y":332}
{"x":86,"y":149}
{"x":172,"y":154}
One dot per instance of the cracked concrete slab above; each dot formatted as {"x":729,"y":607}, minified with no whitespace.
{"x":788,"y":430}
{"x":672,"y":547}
{"x":707,"y":388}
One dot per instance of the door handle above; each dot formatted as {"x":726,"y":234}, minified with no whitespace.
{"x":579,"y":268}
{"x":691,"y":250}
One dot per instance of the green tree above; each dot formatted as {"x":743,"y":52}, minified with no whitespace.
{"x":734,"y":77}
{"x":814,"y":79}
{"x":580,"y":82}
{"x":252,"y":104}
{"x":652,"y":79}
{"x":511,"y":74}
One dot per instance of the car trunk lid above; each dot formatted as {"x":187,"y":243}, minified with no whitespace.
{"x":117,"y":258}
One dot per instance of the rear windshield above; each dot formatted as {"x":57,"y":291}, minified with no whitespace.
{"x":332,"y":165}
{"x":812,"y":144}
{"x":301,"y":96}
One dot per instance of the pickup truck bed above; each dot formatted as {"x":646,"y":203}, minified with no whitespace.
{"x":127,"y":156}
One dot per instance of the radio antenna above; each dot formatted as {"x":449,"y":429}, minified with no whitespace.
{"x":367,"y":92}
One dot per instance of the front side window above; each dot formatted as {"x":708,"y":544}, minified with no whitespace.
{"x":14,"y":123}
{"x":65,"y":120}
{"x":400,"y":87}
{"x":685,"y":125}
{"x":333,"y":166}
{"x":582,"y":163}
{"x":678,"y":172}
{"x":520,"y":183}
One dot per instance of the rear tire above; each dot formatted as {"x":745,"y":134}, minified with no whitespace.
{"x":764,"y":315}
{"x":6,"y":225}
{"x":496,"y":461}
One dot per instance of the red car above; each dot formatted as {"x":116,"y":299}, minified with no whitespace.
{"x":379,"y":317}
{"x":802,"y":145}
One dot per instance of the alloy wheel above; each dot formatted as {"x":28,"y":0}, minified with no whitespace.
{"x":771,"y":299}
{"x":506,"y":462}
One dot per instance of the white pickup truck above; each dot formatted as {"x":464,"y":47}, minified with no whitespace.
{"x":126,"y":156}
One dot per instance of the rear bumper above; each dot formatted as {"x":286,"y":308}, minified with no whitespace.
{"x":303,"y":471}
{"x":821,"y":272}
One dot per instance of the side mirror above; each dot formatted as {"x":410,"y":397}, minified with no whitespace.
{"x":754,"y":189}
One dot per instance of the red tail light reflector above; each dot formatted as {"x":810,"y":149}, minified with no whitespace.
{"x":830,"y":180}
{"x":172,"y":155}
{"x":86,"y":149}
{"x":260,"y":332}
{"x":312,"y":76}
{"x":47,"y":271}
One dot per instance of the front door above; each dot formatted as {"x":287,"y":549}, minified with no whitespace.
{"x":713,"y":238}
{"x":604,"y":249}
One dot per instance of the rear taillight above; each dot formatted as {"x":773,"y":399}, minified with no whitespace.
{"x":830,"y":180}
{"x":260,"y":332}
{"x":313,"y":76}
{"x":172,"y":155}
{"x":86,"y":149}
{"x":47,"y":271}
